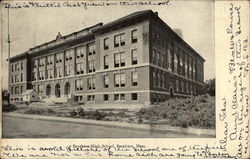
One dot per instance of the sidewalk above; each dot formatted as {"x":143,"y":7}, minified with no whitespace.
{"x":147,"y":127}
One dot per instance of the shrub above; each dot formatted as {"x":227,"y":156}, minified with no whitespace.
{"x":183,"y":123}
{"x":51,"y":111}
{"x":9,"y":107}
{"x":80,"y":111}
{"x":196,"y":112}
{"x":98,"y":115}
{"x":72,"y":112}
{"x":40,"y":111}
{"x":34,"y":111}
{"x":121,"y":114}
{"x":140,"y":120}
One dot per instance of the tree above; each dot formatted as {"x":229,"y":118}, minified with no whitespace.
{"x":210,"y":86}
{"x":5,"y":96}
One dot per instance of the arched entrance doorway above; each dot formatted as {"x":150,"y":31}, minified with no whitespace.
{"x":57,"y":91}
{"x":48,"y":90}
{"x":171,"y":91}
{"x":67,"y":89}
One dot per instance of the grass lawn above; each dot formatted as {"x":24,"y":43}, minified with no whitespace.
{"x":198,"y":112}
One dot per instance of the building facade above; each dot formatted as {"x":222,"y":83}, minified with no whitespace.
{"x":136,"y":59}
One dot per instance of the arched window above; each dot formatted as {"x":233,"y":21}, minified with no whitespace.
{"x":57,"y":91}
{"x":67,"y":89}
{"x":48,"y":90}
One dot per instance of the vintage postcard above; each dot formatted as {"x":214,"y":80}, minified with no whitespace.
{"x":125,"y":79}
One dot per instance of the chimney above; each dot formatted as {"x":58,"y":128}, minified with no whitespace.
{"x":179,"y":32}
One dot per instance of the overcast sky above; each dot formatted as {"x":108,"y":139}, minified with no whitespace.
{"x":31,"y":27}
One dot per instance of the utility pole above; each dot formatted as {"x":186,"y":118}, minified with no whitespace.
{"x":8,"y":41}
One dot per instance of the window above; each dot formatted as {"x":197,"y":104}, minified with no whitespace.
{"x":105,"y":44}
{"x":122,"y":96}
{"x":17,"y":67}
{"x":182,"y":86}
{"x":50,"y":60}
{"x":91,"y":65}
{"x":69,"y":55}
{"x":41,"y":62}
{"x":119,"y":40}
{"x":181,"y":62}
{"x":163,"y":80}
{"x":90,"y":97}
{"x":79,"y":68}
{"x":119,"y":59}
{"x":194,"y":70}
{"x":59,"y":57}
{"x":21,"y":77}
{"x":134,"y":36}
{"x":154,"y":79}
{"x":40,"y":88}
{"x":50,"y":73}
{"x":159,"y":79}
{"x":186,"y":66}
{"x":12,"y":68}
{"x":154,"y":56}
{"x":122,"y":58}
{"x":106,"y":61}
{"x":120,"y":80}
{"x":91,"y":48}
{"x":190,"y":67}
{"x":116,"y":97}
{"x":41,"y":75}
{"x":59,"y":72}
{"x":169,"y":54}
{"x":91,"y":83}
{"x":134,"y":96}
{"x":68,"y":69}
{"x":16,"y":90}
{"x":159,"y":58}
{"x":191,"y":89}
{"x":12,"y":79}
{"x":134,"y":78}
{"x":175,"y":62}
{"x":175,"y":59}
{"x":21,"y":89}
{"x":163,"y":60}
{"x":158,"y":62}
{"x":134,"y":56}
{"x":177,"y":85}
{"x":34,"y":64}
{"x":105,"y":97}
{"x":79,"y":52}
{"x":21,"y":65}
{"x":187,"y":88}
{"x":16,"y":78}
{"x":105,"y":81}
{"x":78,"y":98}
{"x":79,"y":85}
{"x":34,"y":87}
{"x":33,"y":76}
{"x":12,"y":90}
{"x":119,"y":97}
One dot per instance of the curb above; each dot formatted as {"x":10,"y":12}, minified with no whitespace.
{"x":148,"y":127}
